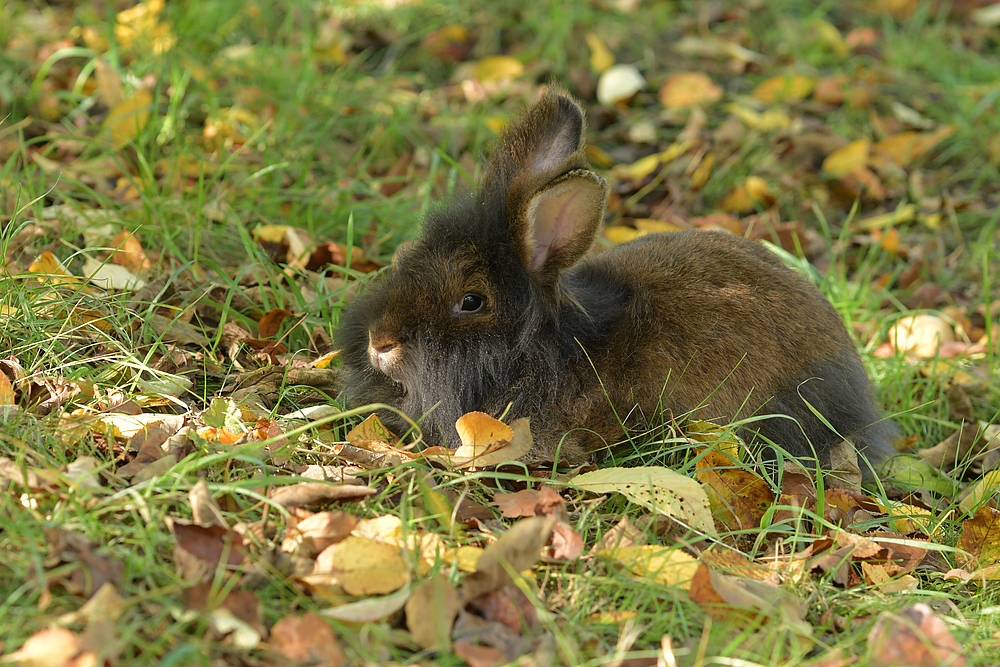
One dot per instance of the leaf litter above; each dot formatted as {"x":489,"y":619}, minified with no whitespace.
{"x":670,"y":138}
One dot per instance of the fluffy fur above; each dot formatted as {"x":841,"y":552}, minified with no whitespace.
{"x":670,"y":324}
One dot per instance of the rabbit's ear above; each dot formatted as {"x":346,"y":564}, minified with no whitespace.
{"x":560,"y":222}
{"x":544,"y":143}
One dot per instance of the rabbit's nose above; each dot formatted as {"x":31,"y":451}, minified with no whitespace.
{"x":384,"y":353}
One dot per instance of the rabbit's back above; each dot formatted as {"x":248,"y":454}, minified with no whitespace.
{"x":713,"y":323}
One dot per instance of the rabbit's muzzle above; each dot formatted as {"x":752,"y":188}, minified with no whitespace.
{"x":385,"y":354}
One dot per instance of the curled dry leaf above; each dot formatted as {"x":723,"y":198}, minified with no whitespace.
{"x":542,"y":501}
{"x":308,"y":640}
{"x":656,"y":488}
{"x":920,"y":335}
{"x":914,"y":637}
{"x":516,"y":550}
{"x":483,"y":449}
{"x":209,"y":544}
{"x":315,"y":533}
{"x":318,"y":493}
{"x":619,"y":83}
{"x":566,"y":544}
{"x":729,"y":598}
{"x":430,"y":613}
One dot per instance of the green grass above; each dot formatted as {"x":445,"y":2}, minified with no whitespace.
{"x":254,"y":122}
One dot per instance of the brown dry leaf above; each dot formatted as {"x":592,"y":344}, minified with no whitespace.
{"x":204,"y":510}
{"x":915,"y":637}
{"x":363,"y":566}
{"x":497,"y":68}
{"x":903,"y":148}
{"x":79,"y":564}
{"x":270,"y":322}
{"x":517,"y":550}
{"x":847,"y":159}
{"x":316,"y":532}
{"x":233,"y":614}
{"x":450,"y":44}
{"x":129,"y":252}
{"x":566,"y":543}
{"x":754,"y":192}
{"x":209,"y":544}
{"x":728,"y":598}
{"x":308,"y":640}
{"x":371,"y":428}
{"x":729,"y":561}
{"x":430,"y":613}
{"x":318,"y":493}
{"x":670,"y":566}
{"x":480,"y":656}
{"x":685,"y":90}
{"x":784,"y":88}
{"x":622,"y":535}
{"x":738,"y":497}
{"x":980,"y":538}
{"x":542,"y":501}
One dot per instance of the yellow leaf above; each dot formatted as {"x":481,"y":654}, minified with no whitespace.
{"x":669,"y":566}
{"x":129,"y":117}
{"x":747,"y":196}
{"x":498,"y":68}
{"x":478,"y":430}
{"x":363,"y":566}
{"x":52,"y":269}
{"x":685,"y":90}
{"x":903,"y":148}
{"x":703,"y":172}
{"x":848,"y":158}
{"x":974,"y":495}
{"x":904,"y":213}
{"x":6,"y":390}
{"x":601,"y":57}
{"x":650,"y":226}
{"x":465,"y":557}
{"x":645,"y":166}
{"x":768,"y":121}
{"x":619,"y":234}
{"x":784,"y":88}
{"x":829,"y":35}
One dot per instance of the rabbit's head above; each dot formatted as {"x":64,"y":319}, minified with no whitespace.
{"x":463,"y":320}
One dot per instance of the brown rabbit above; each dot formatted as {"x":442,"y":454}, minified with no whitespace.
{"x":498,"y":304}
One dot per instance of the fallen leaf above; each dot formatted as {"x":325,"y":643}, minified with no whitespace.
{"x":670,"y":566}
{"x":685,"y":90}
{"x":318,"y":493}
{"x":915,"y":637}
{"x":270,"y":322}
{"x":851,"y":157}
{"x":479,"y":431}
{"x":127,"y":119}
{"x":980,"y":539}
{"x":656,"y":488}
{"x":430,"y":613}
{"x":601,"y":57}
{"x":738,"y":497}
{"x":784,"y":88}
{"x":363,"y":566}
{"x":497,"y":68}
{"x":903,"y":148}
{"x":920,"y":335}
{"x":542,"y":501}
{"x":752,"y":193}
{"x":307,"y":639}
{"x":727,"y":598}
{"x":619,"y":83}
{"x":517,"y":550}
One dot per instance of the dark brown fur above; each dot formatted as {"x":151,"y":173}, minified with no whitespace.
{"x":695,"y":322}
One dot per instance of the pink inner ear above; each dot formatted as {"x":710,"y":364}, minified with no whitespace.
{"x":556,"y":216}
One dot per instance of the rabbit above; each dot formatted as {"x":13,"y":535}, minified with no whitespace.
{"x":499,"y":307}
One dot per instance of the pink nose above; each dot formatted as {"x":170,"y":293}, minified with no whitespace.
{"x":383,"y":353}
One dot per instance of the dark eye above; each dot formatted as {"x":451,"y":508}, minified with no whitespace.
{"x":472,"y":303}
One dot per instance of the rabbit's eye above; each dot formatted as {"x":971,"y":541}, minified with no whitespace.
{"x":471,"y":303}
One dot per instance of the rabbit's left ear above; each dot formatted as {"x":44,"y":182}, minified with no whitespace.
{"x":559,"y":224}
